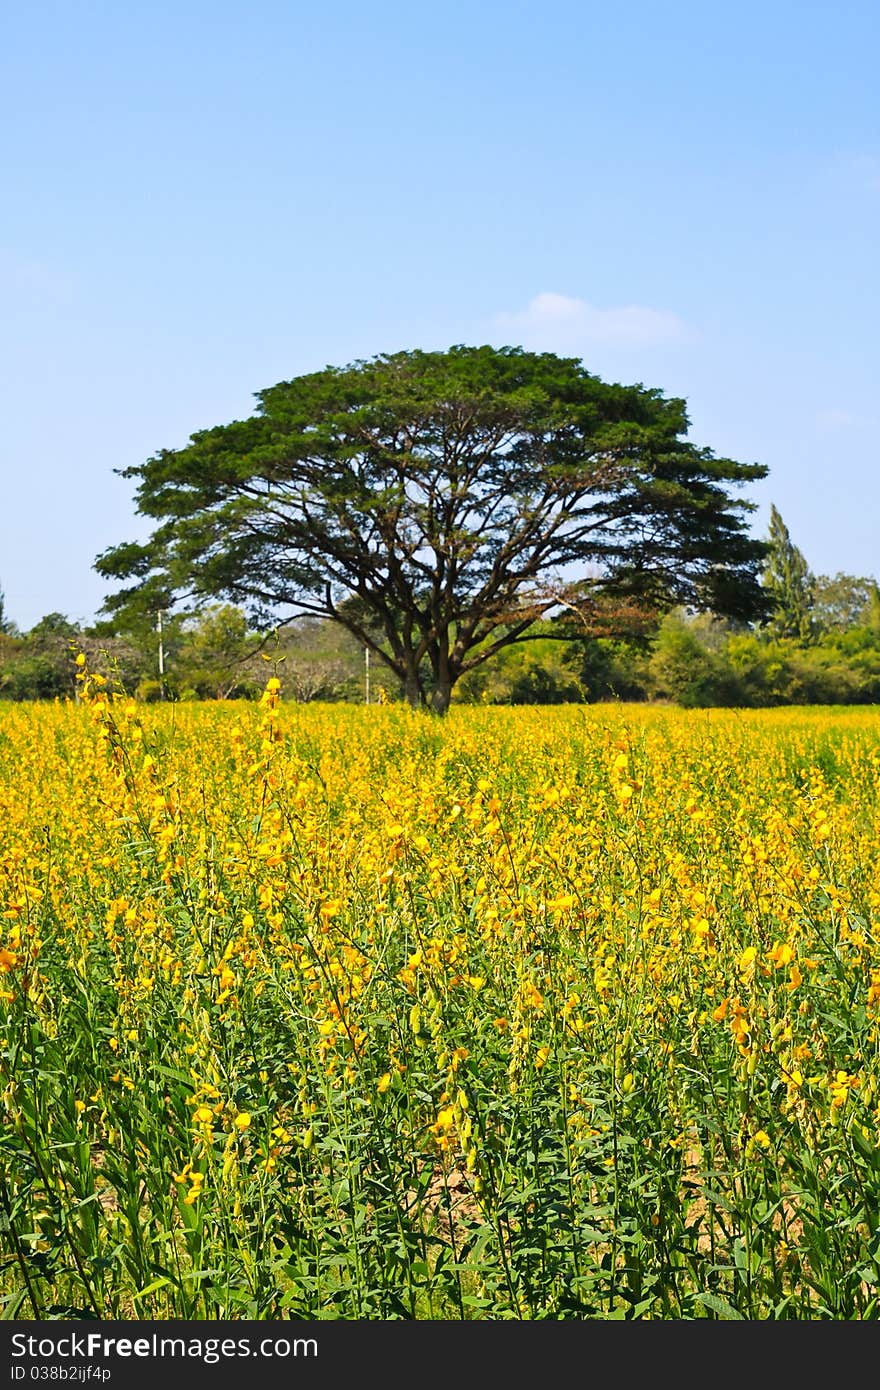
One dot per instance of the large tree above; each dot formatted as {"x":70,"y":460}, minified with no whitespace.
{"x":437,"y":504}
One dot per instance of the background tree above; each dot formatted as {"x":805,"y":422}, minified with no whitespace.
{"x":872,"y":609}
{"x":789,"y":584}
{"x":841,"y":601}
{"x":526,"y":673}
{"x":7,"y":628}
{"x":9,"y":647}
{"x":217,"y":655}
{"x":41,"y":665}
{"x":434,"y":503}
{"x":322,"y":661}
{"x":686,"y":669}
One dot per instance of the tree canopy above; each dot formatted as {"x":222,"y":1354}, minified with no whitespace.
{"x":788,"y":582}
{"x":438,"y":504}
{"x":842,"y":601}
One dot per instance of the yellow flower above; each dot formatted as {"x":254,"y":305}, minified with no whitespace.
{"x":195,"y":1191}
{"x":747,"y":960}
{"x":781,"y":954}
{"x":564,"y":903}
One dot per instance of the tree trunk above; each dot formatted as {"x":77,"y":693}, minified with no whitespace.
{"x":442,"y":672}
{"x":440,"y":697}
{"x":413,"y":686}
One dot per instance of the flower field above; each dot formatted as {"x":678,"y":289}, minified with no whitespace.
{"x":333,"y":1012}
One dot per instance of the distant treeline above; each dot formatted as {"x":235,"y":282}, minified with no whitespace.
{"x":819,"y":645}
{"x":691,"y":660}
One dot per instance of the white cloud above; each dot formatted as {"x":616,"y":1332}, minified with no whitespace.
{"x":842,"y":420}
{"x":555,"y":321}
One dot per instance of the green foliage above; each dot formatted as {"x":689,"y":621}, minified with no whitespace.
{"x":841,"y":602}
{"x":685,"y":670}
{"x":534,"y":673}
{"x":694,"y":661}
{"x":785,"y":672}
{"x":322,"y":661}
{"x":39,"y":666}
{"x":789,"y":584}
{"x":215,"y":656}
{"x":46,"y":633}
{"x":611,"y":669}
{"x":422,"y":500}
{"x":37,"y":676}
{"x":150,"y":691}
{"x":872,"y":616}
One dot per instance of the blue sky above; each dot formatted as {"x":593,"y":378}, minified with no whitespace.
{"x":201,"y":199}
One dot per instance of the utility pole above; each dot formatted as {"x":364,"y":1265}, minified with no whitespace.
{"x":367,"y":673}
{"x":161,"y":653}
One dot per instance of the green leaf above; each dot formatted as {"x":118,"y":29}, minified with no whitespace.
{"x":12,"y":1305}
{"x":151,"y":1288}
{"x":720,"y":1306}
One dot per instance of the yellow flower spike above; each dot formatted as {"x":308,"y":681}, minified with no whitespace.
{"x":747,"y":960}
